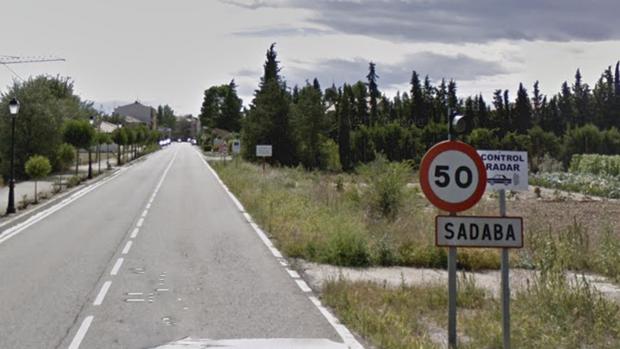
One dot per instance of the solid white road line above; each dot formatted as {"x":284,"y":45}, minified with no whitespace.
{"x":81,"y":333}
{"x":134,"y":233}
{"x":18,"y":228}
{"x":102,"y":293}
{"x":117,"y":266}
{"x":127,"y":247}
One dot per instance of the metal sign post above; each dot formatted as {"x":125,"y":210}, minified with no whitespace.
{"x":453,"y":178}
{"x":452,"y":294}
{"x":505,"y":279}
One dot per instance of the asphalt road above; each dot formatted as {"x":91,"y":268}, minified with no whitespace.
{"x":156,"y":253}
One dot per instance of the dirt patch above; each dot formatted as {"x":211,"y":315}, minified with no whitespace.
{"x":317,"y":274}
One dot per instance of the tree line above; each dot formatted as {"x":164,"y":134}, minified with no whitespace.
{"x":341,"y":127}
{"x":54,"y":123}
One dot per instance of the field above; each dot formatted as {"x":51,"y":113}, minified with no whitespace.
{"x":378,"y":217}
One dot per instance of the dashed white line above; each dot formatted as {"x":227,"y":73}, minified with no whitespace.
{"x":127,"y":247}
{"x":303,"y":285}
{"x":140,"y":222}
{"x":144,"y":213}
{"x":293,"y":273}
{"x":133,"y":300}
{"x":81,"y":333}
{"x":135,"y":293}
{"x":102,"y":293}
{"x":116,"y":267}
{"x":134,"y":233}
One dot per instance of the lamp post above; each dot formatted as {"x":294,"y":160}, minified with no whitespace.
{"x":13,"y":110}
{"x":90,"y":162}
{"x":118,"y":146}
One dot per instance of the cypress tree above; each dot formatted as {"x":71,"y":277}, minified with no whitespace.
{"x":522,"y":111}
{"x":268,"y":118}
{"x":373,"y":91}
{"x":417,"y":101}
{"x":344,"y":128}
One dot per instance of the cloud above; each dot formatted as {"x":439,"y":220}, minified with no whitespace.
{"x":436,"y":66}
{"x":456,"y":21}
{"x":280,"y":32}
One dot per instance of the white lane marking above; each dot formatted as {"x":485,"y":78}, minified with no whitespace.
{"x":135,"y":293}
{"x":343,"y":331}
{"x":117,"y":266}
{"x":127,"y":247}
{"x":132,"y":300}
{"x":134,"y":233}
{"x":303,"y":285}
{"x":148,"y":206}
{"x":292,"y":273}
{"x":18,"y":228}
{"x":145,"y":212}
{"x":140,"y":222}
{"x":161,"y":289}
{"x":102,"y":293}
{"x":81,"y":333}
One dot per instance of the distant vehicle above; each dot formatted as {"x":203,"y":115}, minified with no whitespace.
{"x":193,"y":141}
{"x":500,"y":179}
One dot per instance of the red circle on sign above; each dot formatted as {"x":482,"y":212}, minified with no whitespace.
{"x":427,"y":160}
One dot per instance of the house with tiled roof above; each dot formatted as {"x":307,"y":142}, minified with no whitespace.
{"x":137,"y":113}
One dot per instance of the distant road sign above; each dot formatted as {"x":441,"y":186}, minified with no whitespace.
{"x":263,"y":151}
{"x":452,"y":176}
{"x":472,"y":231}
{"x":236,"y":146}
{"x":505,"y":169}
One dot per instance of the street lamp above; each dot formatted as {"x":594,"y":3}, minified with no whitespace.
{"x":90,"y":164}
{"x":13,"y":110}
{"x":118,"y":146}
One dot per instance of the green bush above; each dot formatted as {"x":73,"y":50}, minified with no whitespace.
{"x":73,"y":181}
{"x":347,"y":248}
{"x":329,"y":158}
{"x":37,"y":167}
{"x":386,"y":185}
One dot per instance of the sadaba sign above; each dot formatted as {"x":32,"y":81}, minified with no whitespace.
{"x":505,"y":169}
{"x":472,"y":231}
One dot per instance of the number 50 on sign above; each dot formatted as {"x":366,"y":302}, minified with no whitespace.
{"x":452,"y":176}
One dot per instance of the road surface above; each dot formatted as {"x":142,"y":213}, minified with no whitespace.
{"x":154,"y":254}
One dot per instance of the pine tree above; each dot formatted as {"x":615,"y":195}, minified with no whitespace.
{"x":344,"y":128}
{"x":440,"y":104}
{"x":309,"y":125}
{"x":522,"y":111}
{"x":360,"y":115}
{"x":373,"y":91}
{"x":268,"y":118}
{"x":230,"y":117}
{"x":417,"y":101}
{"x":581,"y":94}
{"x":537,"y":99}
{"x":565,"y":106}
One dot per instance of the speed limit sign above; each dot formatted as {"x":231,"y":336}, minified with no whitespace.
{"x":452,"y":176}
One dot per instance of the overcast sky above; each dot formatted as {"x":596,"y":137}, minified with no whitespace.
{"x":169,"y":52}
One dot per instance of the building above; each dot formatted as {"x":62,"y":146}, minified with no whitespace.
{"x":137,"y":113}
